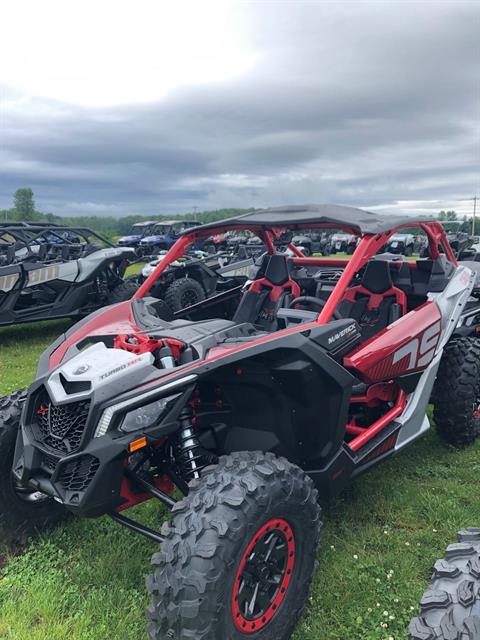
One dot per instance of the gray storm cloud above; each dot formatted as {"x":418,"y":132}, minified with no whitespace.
{"x":371,"y":104}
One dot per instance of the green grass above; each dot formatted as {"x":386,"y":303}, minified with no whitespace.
{"x":85,"y":580}
{"x":134,"y":269}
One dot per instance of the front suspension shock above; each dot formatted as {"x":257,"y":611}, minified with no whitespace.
{"x":188,"y":452}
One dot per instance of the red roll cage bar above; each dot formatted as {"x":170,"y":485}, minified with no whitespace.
{"x":368,"y":246}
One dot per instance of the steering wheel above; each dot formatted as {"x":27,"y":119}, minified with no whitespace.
{"x":317,"y":302}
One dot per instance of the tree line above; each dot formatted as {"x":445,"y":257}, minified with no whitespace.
{"x":24,"y":209}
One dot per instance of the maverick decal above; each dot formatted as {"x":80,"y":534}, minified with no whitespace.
{"x":340,"y":334}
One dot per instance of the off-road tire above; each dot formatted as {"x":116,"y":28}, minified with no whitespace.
{"x":123,"y":291}
{"x":195,"y":573}
{"x":457,"y":392}
{"x":184,"y":292}
{"x":18,"y":518}
{"x":450,"y":608}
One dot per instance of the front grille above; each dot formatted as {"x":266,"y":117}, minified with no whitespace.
{"x":77,"y":475}
{"x":49,"y":462}
{"x":60,"y":428}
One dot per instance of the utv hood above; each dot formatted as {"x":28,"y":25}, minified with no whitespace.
{"x":125,"y":239}
{"x":150,"y":239}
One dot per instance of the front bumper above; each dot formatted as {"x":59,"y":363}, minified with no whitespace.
{"x":89,"y":480}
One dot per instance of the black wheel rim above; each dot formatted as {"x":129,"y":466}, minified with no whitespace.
{"x":263,"y":576}
{"x":188,"y":298}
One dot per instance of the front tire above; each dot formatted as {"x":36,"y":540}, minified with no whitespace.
{"x":450,"y":608}
{"x":239,"y":554}
{"x":23,"y":512}
{"x":456,"y":395}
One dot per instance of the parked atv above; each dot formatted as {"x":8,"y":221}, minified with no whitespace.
{"x":197,"y":276}
{"x":50,"y":271}
{"x":320,"y":372}
{"x":311,"y":242}
{"x":402,"y":243}
{"x":458,"y":235}
{"x":163,"y":235}
{"x":342,"y":243}
{"x":139,"y":230}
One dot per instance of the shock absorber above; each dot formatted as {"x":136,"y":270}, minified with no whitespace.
{"x":188,"y":453}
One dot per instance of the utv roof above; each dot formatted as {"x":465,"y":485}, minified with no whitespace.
{"x":176,"y":221}
{"x":357,"y":221}
{"x":29,"y":224}
{"x":144,"y":224}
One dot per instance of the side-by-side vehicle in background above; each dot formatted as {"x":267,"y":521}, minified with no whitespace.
{"x":163,"y":235}
{"x":138,"y":231}
{"x":50,"y":271}
{"x":196,"y":276}
{"x":253,"y":404}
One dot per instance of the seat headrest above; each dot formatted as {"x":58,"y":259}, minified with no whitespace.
{"x":276,"y":271}
{"x":377,"y":277}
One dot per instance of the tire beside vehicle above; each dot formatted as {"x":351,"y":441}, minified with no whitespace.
{"x":450,"y":608}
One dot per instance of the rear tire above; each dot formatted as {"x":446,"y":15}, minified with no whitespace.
{"x":123,"y":291}
{"x":196,"y":584}
{"x":23,"y":512}
{"x":183,"y":293}
{"x":450,"y":608}
{"x":456,"y":395}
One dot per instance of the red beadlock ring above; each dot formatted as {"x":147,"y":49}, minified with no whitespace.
{"x":248,"y":626}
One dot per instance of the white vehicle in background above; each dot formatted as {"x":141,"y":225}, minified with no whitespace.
{"x":402,"y":243}
{"x":343,"y":243}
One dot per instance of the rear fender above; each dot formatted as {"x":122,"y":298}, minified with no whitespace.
{"x":92,"y":264}
{"x":452,"y":300}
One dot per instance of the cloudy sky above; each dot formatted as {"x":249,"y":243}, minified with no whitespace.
{"x":119,"y":107}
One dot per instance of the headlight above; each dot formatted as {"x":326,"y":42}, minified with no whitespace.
{"x":146,"y":416}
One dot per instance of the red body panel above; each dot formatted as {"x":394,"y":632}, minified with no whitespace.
{"x":112,"y":321}
{"x":405,"y":346}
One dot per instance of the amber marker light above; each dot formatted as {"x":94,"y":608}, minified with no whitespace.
{"x":139,"y":443}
